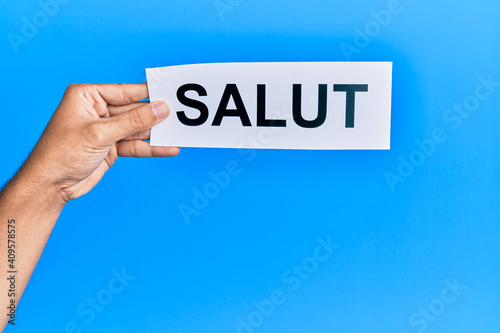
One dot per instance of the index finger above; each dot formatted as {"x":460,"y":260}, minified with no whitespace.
{"x":123,"y":94}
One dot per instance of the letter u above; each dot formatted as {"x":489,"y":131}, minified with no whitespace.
{"x":297,"y":107}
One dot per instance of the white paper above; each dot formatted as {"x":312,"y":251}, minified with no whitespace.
{"x":372,"y":108}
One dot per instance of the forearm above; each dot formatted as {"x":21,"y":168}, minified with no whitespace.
{"x":93,"y":125}
{"x":29,"y":209}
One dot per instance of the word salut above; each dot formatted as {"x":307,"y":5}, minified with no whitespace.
{"x":322,"y":105}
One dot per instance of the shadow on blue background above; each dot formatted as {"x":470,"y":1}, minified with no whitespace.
{"x":401,"y":252}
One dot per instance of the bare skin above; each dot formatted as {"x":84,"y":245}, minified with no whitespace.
{"x":93,"y":126}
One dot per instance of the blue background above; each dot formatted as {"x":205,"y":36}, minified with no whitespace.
{"x":396,"y":248}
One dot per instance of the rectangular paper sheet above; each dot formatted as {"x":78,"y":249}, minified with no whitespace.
{"x":369,"y":128}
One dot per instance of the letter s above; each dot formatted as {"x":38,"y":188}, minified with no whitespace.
{"x":81,"y":312}
{"x":181,"y":96}
{"x":448,"y":117}
{"x":421,"y":322}
{"x":295,"y":281}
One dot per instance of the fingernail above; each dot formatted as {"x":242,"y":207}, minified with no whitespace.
{"x":161,"y":110}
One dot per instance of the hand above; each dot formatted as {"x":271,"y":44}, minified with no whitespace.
{"x":94,"y":125}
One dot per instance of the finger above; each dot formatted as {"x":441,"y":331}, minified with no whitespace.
{"x":139,"y":148}
{"x":119,"y":109}
{"x":122,"y":94}
{"x":145,"y":135}
{"x":136,"y":120}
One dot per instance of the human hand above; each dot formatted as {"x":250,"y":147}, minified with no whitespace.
{"x":94,"y":125}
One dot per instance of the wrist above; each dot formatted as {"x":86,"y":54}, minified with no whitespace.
{"x":38,"y":189}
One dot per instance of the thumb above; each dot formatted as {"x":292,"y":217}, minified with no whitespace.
{"x":137,"y":120}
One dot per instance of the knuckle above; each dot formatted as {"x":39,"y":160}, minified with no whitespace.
{"x":136,"y":136}
{"x":133,"y":150}
{"x":137,"y":120}
{"x":125,"y":92}
{"x":86,"y":86}
{"x":72,"y":88}
{"x":95,"y":132}
{"x":78,"y":88}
